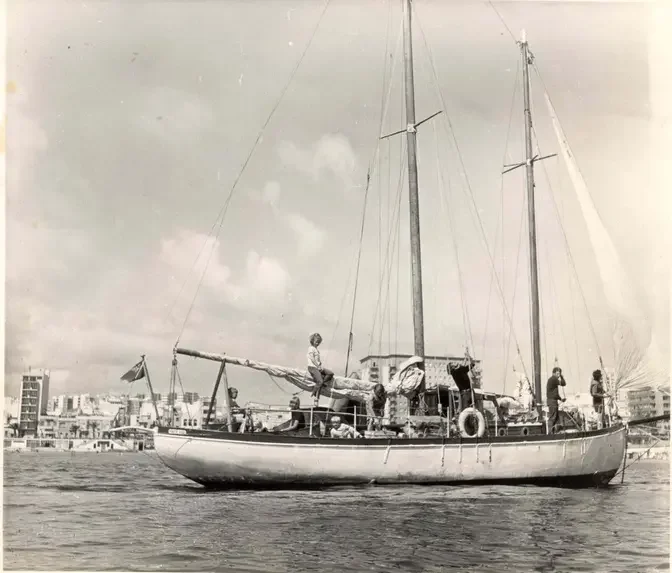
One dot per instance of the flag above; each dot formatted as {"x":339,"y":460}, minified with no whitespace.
{"x":135,"y":373}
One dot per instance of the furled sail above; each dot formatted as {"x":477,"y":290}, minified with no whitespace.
{"x":634,"y":365}
{"x":339,"y":387}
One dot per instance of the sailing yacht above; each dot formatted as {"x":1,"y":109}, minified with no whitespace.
{"x":523,"y":453}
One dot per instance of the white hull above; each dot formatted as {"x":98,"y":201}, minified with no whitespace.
{"x":263,"y":460}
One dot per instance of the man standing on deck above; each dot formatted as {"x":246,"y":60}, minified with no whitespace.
{"x":553,"y":397}
{"x":597,"y":392}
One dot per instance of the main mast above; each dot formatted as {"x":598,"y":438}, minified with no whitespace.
{"x":532,"y":228}
{"x":416,"y":260}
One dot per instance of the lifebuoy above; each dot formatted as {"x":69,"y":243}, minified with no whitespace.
{"x":474,"y":414}
{"x":525,"y":431}
{"x":502,"y":432}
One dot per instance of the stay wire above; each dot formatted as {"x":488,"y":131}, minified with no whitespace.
{"x":223,"y":211}
{"x":590,"y":322}
{"x":451,"y":132}
{"x":500,"y":222}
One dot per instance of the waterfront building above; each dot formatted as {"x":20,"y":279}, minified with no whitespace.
{"x":648,"y":402}
{"x":34,"y":399}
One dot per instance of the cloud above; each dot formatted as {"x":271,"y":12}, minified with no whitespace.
{"x":173,"y":115}
{"x":331,"y":153}
{"x":261,"y":279}
{"x":271,"y":193}
{"x":265,"y":276}
{"x":309,"y":235}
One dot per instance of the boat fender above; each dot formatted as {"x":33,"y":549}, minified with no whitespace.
{"x":502,"y":432}
{"x":480,"y":422}
{"x":525,"y":431}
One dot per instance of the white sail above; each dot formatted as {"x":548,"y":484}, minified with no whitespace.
{"x":634,"y":366}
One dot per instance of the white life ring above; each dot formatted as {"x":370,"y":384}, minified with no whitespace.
{"x":502,"y":432}
{"x":462,"y":420}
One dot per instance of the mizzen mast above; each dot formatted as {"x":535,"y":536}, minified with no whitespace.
{"x":416,"y":258}
{"x":532,"y":227}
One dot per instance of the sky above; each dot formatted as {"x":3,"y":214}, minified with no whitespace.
{"x":128,"y":124}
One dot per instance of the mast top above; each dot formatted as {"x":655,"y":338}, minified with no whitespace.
{"x":523,"y":36}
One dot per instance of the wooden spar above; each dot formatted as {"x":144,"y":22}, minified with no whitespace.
{"x":227,"y":398}
{"x":171,"y":392}
{"x":416,"y":259}
{"x":535,"y":328}
{"x":151,"y":390}
{"x":214,"y":393}
{"x":198,"y":354}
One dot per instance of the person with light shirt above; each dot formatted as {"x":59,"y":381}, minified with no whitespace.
{"x":319,"y":374}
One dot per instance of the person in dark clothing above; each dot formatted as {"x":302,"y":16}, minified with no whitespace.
{"x":375,"y":407}
{"x":463,"y":382}
{"x":298,"y":420}
{"x":597,"y":392}
{"x":553,"y":397}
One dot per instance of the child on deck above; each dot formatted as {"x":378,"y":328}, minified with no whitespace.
{"x":320,"y":375}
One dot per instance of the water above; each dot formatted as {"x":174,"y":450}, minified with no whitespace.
{"x":126,"y":511}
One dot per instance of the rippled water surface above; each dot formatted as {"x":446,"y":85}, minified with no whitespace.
{"x":126,"y":511}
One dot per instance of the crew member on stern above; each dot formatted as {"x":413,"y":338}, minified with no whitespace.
{"x":597,"y":392}
{"x":319,"y":374}
{"x":553,"y":397}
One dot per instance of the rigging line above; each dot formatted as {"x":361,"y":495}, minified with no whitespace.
{"x":359,"y":258}
{"x":281,"y":388}
{"x":466,"y":325}
{"x":564,"y":234}
{"x":223,"y":211}
{"x":541,"y":79}
{"x":387,"y":268}
{"x":466,"y":177}
{"x":502,"y":21}
{"x":373,"y":328}
{"x":385,"y":100}
{"x":515,"y":290}
{"x":559,"y":314}
{"x":466,"y":322}
{"x":395,"y":248}
{"x":383,"y":115}
{"x":179,"y":378}
{"x":500,"y":221}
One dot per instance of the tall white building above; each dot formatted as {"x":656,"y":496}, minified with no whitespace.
{"x":34,"y":399}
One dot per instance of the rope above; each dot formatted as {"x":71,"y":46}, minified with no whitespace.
{"x":179,"y":378}
{"x":359,"y":258}
{"x":223,"y":211}
{"x":515,"y":290}
{"x":503,"y":22}
{"x":385,"y":102}
{"x":282,"y":389}
{"x":394,"y":242}
{"x":451,"y":132}
{"x":380,"y":287}
{"x":466,"y":324}
{"x":500,"y":221}
{"x":559,"y":316}
{"x":590,"y":322}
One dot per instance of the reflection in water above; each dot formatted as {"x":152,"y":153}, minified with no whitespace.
{"x":128,"y":512}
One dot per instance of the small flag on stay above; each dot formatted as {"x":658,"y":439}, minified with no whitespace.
{"x":135,"y":373}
